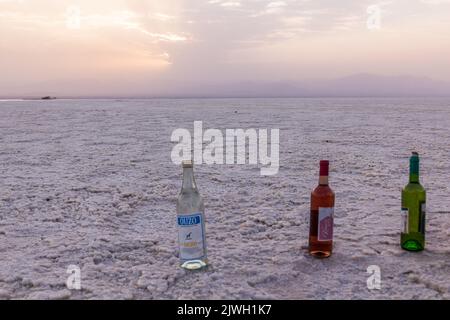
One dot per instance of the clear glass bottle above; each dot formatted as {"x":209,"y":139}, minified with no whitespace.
{"x":191,"y":222}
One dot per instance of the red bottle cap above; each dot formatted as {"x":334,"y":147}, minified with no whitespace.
{"x":324,"y":165}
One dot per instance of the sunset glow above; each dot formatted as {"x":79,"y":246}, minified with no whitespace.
{"x":157,"y":47}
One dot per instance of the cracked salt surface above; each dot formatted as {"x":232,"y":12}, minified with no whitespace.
{"x":91,"y":183}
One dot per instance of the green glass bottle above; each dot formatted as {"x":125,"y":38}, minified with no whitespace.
{"x":413,"y":209}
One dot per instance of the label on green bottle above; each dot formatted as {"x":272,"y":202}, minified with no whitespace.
{"x":423,"y":209}
{"x":405,"y":220}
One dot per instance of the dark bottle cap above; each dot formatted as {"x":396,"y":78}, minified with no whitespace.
{"x":324,"y":167}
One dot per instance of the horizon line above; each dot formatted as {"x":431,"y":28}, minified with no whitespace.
{"x":155,"y":97}
{"x":205,"y":97}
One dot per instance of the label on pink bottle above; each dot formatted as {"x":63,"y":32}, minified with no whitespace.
{"x":325,"y":231}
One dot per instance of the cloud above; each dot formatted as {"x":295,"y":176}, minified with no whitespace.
{"x":230,"y":4}
{"x":345,"y":23}
{"x":191,"y":40}
{"x":162,"y":17}
{"x":170,"y":37}
{"x":275,"y":7}
{"x":435,"y":1}
{"x":290,"y":28}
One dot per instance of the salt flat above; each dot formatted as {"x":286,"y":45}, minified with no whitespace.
{"x":91,"y":183}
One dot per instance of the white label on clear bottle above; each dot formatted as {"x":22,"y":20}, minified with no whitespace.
{"x":325,"y":224}
{"x":191,"y":236}
{"x":405,"y":220}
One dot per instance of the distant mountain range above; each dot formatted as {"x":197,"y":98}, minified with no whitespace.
{"x":376,"y":85}
{"x":359,"y":85}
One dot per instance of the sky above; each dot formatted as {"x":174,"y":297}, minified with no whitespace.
{"x":164,"y":47}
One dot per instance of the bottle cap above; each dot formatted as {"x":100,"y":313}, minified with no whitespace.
{"x":187,"y":163}
{"x":324,"y":167}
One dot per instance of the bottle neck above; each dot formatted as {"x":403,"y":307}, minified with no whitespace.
{"x":188,"y":179}
{"x":414,"y":177}
{"x":323,"y":172}
{"x":323,"y":180}
{"x":414,"y":171}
